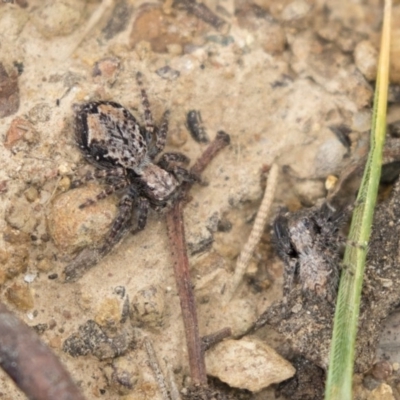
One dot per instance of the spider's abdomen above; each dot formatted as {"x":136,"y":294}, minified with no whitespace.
{"x":109,"y":135}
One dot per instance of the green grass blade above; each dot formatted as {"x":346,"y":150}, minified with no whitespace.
{"x":340,"y":372}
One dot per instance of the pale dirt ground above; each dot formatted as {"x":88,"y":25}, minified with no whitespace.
{"x":276,"y":101}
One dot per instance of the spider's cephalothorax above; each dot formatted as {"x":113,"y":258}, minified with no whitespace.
{"x":124,"y":152}
{"x":308,"y":243}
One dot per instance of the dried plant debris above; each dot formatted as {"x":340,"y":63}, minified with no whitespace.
{"x":119,"y":19}
{"x":92,"y":339}
{"x":394,"y":129}
{"x":307,"y":323}
{"x":307,"y":384}
{"x":30,"y":363}
{"x":9,"y":92}
{"x":201,"y":11}
{"x":216,"y":390}
{"x":308,"y":243}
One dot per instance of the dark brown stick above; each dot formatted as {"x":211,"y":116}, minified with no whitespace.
{"x":221,"y":140}
{"x":31,"y":364}
{"x":210,"y":340}
{"x":201,"y":11}
{"x":176,"y":234}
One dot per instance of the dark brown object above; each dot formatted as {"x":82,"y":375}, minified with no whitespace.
{"x":22,"y":3}
{"x":307,"y":384}
{"x":176,"y":234}
{"x":9,"y":92}
{"x":201,"y":11}
{"x":210,"y":340}
{"x":194,"y":123}
{"x":222,"y":140}
{"x":30,"y":364}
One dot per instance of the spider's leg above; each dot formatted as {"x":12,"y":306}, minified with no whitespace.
{"x":98,"y":174}
{"x":122,"y":222}
{"x":172,"y":162}
{"x":169,"y":159}
{"x":142,"y":208}
{"x":161,"y":136}
{"x":148,"y":117}
{"x":105,"y":193}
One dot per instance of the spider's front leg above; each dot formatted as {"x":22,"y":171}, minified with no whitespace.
{"x":174,"y":162}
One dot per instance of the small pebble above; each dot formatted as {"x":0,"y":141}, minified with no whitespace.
{"x":29,"y":278}
{"x":31,"y":194}
{"x":382,"y":370}
{"x":44,"y":265}
{"x":39,"y":113}
{"x":366,"y":59}
{"x":248,"y":364}
{"x":330,"y":182}
{"x":122,"y":375}
{"x":165,"y":33}
{"x":106,"y":70}
{"x":58,"y":18}
{"x":382,"y":392}
{"x":17,"y":263}
{"x":20,"y":129}
{"x":20,"y":216}
{"x":12,"y":21}
{"x":168,"y":73}
{"x":64,"y":184}
{"x":147,"y":307}
{"x":109,"y":313}
{"x":20,"y":297}
{"x":297,"y":14}
{"x":73,"y":228}
{"x":177,"y":137}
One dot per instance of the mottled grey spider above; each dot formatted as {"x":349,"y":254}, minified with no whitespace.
{"x":123,"y":153}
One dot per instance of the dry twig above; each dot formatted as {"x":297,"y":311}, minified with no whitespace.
{"x":155,"y":366}
{"x":31,"y":364}
{"x":176,"y":235}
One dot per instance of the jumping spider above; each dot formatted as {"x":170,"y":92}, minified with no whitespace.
{"x":124,"y":153}
{"x":309,"y":244}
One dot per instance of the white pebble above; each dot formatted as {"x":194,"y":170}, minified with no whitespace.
{"x":247,"y":363}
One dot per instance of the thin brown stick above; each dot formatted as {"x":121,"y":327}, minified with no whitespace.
{"x":210,"y":340}
{"x":31,"y":364}
{"x":221,"y":140}
{"x":176,"y":234}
